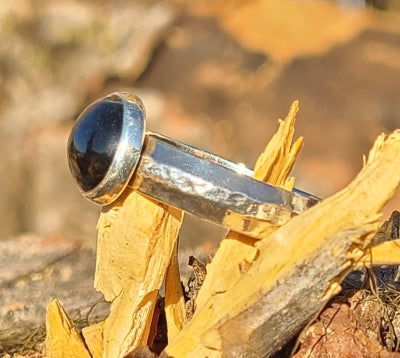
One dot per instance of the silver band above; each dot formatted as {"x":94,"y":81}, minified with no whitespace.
{"x":182,"y":176}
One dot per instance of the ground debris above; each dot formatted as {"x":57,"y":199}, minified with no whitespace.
{"x":357,"y":324}
{"x":23,"y":343}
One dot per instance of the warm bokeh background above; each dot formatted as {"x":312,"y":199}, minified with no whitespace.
{"x":215,"y":74}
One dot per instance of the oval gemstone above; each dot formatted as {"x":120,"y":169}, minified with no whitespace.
{"x":94,"y":141}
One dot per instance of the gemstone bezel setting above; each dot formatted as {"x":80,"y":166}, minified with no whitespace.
{"x":116,"y":152}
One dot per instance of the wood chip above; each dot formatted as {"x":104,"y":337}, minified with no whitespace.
{"x":93,"y":336}
{"x":175,"y":310}
{"x":62,"y":339}
{"x":136,"y":240}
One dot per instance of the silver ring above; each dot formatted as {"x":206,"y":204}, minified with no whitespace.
{"x":109,"y":148}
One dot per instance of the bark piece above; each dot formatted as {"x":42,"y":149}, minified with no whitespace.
{"x":298,"y":268}
{"x":62,"y":339}
{"x":389,"y":230}
{"x":194,"y":284}
{"x":136,"y":239}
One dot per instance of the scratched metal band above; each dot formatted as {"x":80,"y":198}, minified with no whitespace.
{"x":211,"y":187}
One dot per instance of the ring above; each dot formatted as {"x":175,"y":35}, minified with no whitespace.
{"x":109,"y":149}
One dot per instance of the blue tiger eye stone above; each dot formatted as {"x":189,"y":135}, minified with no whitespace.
{"x":94,"y":141}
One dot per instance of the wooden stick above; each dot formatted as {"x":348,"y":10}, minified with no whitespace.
{"x":136,"y":239}
{"x":296,"y":270}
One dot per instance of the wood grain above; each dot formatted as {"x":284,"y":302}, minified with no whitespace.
{"x":296,"y":269}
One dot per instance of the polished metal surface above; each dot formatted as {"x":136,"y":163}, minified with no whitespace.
{"x":171,"y":172}
{"x":120,"y":153}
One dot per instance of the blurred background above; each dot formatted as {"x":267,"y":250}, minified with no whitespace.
{"x":215,"y":74}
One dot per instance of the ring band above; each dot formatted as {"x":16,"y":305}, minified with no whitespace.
{"x":109,"y":148}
